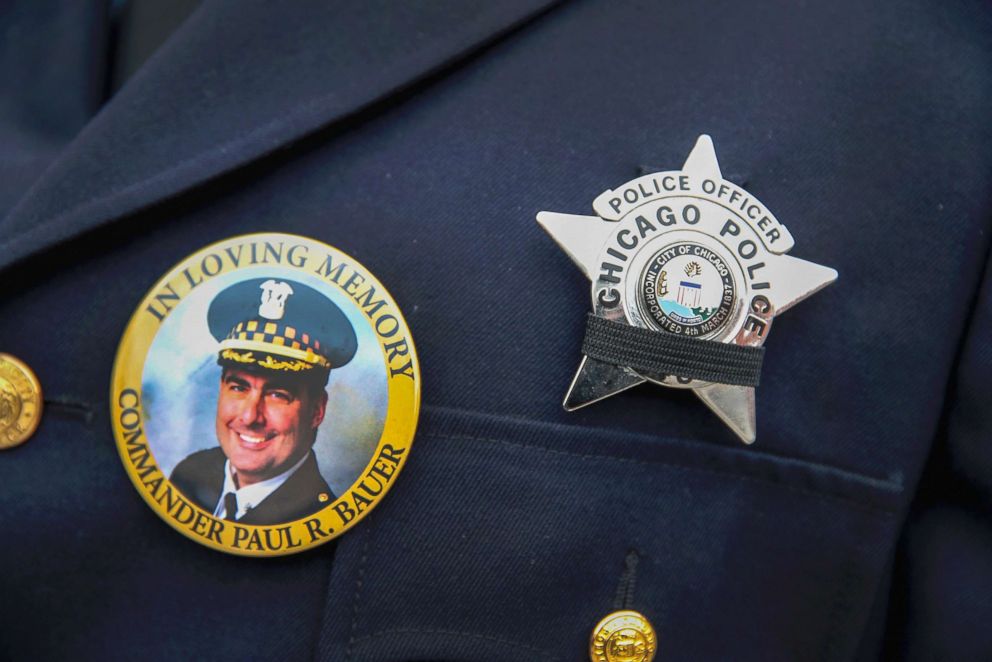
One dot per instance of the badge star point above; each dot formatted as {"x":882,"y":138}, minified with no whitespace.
{"x":735,"y":407}
{"x":581,"y":237}
{"x":702,"y":160}
{"x":595,"y":380}
{"x":795,"y":280}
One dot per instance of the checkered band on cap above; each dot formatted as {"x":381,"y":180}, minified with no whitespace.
{"x":275,"y":338}
{"x":280,"y":325}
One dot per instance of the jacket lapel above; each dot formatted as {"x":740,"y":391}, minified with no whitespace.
{"x":240,"y":79}
{"x":298,"y":497}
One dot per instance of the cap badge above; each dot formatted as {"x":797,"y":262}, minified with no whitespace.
{"x":688,"y":272}
{"x":265,"y":394}
{"x":274,"y":295}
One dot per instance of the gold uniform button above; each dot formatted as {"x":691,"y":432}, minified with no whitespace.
{"x":20,"y":402}
{"x":623,"y":636}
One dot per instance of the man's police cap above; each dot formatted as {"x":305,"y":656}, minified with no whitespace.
{"x":280,"y":326}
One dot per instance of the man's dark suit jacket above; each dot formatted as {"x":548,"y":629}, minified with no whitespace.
{"x":200,"y":476}
{"x":422,"y":138}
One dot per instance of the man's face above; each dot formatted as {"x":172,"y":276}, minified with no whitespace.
{"x":265,"y":425}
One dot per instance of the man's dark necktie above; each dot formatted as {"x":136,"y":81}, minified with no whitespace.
{"x":230,"y":506}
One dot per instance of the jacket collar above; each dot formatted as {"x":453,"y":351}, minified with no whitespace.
{"x":239,"y":80}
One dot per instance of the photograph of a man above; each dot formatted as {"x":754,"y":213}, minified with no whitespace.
{"x":279,"y":341}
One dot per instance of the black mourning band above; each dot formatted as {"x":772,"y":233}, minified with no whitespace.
{"x":664,"y":353}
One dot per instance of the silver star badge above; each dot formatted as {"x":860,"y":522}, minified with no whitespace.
{"x":687,"y":253}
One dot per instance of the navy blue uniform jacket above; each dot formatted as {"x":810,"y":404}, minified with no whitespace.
{"x":201,"y":478}
{"x":422,"y":138}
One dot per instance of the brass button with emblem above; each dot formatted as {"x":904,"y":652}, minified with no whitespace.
{"x":623,"y":636}
{"x":20,"y":402}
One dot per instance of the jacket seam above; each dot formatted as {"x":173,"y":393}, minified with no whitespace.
{"x":753,"y":453}
{"x":470,"y":635}
{"x":356,"y":599}
{"x":848,"y":502}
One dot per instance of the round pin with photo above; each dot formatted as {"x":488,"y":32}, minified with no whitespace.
{"x":265,"y":394}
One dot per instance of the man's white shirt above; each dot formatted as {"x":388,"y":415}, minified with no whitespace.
{"x":250,"y":496}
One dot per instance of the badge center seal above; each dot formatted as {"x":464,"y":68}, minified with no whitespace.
{"x":687,"y":289}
